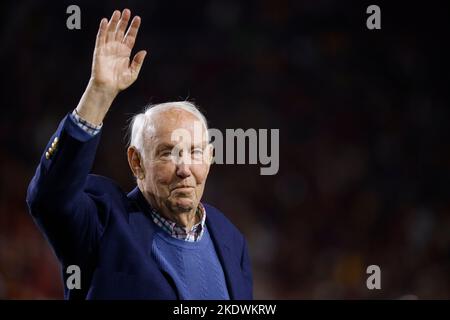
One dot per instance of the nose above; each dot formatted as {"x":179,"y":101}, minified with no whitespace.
{"x":183,"y":169}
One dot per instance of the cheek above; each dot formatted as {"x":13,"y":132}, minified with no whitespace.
{"x":200,"y":172}
{"x":161,"y":174}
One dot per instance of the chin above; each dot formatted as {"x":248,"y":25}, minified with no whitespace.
{"x":183,"y":205}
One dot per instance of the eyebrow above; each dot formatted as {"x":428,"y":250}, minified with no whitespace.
{"x":165,"y":146}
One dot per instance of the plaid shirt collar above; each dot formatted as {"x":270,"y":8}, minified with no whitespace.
{"x":179,"y":232}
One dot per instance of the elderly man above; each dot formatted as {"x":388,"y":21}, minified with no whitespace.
{"x":158,"y":241}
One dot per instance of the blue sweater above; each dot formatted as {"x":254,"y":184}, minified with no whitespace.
{"x":194,"y":266}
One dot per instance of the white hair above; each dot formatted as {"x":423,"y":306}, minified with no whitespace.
{"x":143,"y":120}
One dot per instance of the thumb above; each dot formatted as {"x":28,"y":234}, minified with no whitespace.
{"x":137,"y":62}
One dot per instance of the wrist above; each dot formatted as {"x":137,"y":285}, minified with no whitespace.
{"x":95,"y":103}
{"x":101,"y":91}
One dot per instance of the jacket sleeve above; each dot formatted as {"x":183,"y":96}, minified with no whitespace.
{"x":69,"y":217}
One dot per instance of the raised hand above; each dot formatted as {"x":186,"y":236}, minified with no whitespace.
{"x":112,"y":70}
{"x":111,"y":67}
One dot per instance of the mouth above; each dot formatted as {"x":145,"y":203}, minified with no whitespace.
{"x":183,"y":188}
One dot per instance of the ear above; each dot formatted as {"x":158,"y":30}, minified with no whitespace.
{"x":135,"y":163}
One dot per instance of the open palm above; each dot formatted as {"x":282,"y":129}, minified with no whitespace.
{"x":111,"y":67}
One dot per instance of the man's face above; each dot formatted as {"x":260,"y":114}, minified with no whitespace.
{"x":175,"y":170}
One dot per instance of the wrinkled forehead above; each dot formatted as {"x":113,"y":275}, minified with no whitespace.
{"x":174,"y":125}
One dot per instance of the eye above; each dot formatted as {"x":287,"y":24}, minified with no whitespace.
{"x":197,"y":151}
{"x":165,"y":154}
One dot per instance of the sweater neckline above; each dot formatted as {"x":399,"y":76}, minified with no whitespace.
{"x":190,"y":245}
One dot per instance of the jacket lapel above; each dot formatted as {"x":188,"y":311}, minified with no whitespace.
{"x":144,"y":229}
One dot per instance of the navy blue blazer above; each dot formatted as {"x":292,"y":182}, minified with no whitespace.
{"x":90,"y":222}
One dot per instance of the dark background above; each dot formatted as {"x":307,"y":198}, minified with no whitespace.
{"x":364,"y":158}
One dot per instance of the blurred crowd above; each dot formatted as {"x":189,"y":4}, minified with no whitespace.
{"x":364,"y":157}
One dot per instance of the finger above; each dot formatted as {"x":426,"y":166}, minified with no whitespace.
{"x":112,"y":24}
{"x":101,"y":34}
{"x":130,"y":37}
{"x":121,"y":27}
{"x":137,"y":62}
